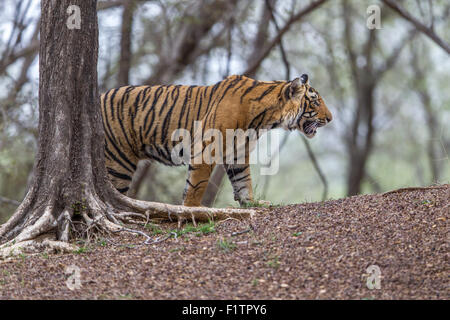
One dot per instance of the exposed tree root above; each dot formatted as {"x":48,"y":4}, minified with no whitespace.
{"x":42,"y":243}
{"x":176,"y":212}
{"x":24,"y":230}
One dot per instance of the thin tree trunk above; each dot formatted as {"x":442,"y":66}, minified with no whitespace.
{"x":431,"y":120}
{"x":125,"y":43}
{"x":360,"y":151}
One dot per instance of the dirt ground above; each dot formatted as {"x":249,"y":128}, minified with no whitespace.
{"x":305,"y":251}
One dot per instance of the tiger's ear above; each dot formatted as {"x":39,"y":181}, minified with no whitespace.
{"x":305,"y":79}
{"x":296,"y":88}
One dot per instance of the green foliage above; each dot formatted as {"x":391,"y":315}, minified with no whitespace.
{"x":226,"y":245}
{"x":81,"y":250}
{"x":199,"y":230}
{"x":155,"y":230}
{"x":273,"y":262}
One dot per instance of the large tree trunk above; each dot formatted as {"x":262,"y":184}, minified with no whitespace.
{"x":70,"y":182}
{"x":69,"y":169}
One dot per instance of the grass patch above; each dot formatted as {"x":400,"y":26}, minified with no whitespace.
{"x":154,"y":229}
{"x":225,"y":245}
{"x":257,"y":204}
{"x":81,"y":250}
{"x":102,"y":243}
{"x":199,"y":230}
{"x":274,"y":262}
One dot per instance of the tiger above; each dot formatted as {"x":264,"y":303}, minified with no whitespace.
{"x":138,"y":122}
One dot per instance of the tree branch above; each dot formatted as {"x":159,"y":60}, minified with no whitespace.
{"x":9,"y":201}
{"x":392,"y":59}
{"x":295,"y":18}
{"x":419,"y":25}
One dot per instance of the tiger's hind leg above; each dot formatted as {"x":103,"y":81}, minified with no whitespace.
{"x":119,"y":175}
{"x":196,"y":183}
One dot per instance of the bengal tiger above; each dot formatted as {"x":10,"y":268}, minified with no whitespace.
{"x":138,"y":122}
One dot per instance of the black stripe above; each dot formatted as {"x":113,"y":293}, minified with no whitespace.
{"x":120,"y":120}
{"x":261,"y":114}
{"x":211,"y":94}
{"x":231,"y":85}
{"x":146,"y":97}
{"x":123,"y":190}
{"x":254,"y":84}
{"x":112,"y":100}
{"x":135,"y":111}
{"x":236,"y":170}
{"x":183,"y":107}
{"x":161,"y":109}
{"x":118,"y":174}
{"x":242,"y":84}
{"x":110,"y":140}
{"x":266,"y":92}
{"x":233,"y":180}
{"x":106,"y":124}
{"x":189,"y":183}
{"x":189,"y":108}
{"x":120,"y":162}
{"x":158,"y":94}
{"x":200,"y":103}
{"x":166,"y":123}
{"x":199,"y":183}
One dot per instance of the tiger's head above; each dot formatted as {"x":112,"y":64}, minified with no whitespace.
{"x":304,"y":108}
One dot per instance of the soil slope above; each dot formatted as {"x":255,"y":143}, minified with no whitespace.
{"x":304,"y":251}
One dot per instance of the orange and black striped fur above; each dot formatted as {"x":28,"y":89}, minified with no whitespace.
{"x":139,"y":121}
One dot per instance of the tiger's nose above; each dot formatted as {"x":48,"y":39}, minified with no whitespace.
{"x":329,"y":117}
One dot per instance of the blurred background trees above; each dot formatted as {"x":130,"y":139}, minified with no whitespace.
{"x":388,"y":88}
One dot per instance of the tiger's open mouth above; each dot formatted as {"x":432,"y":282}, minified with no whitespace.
{"x":310,"y":128}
